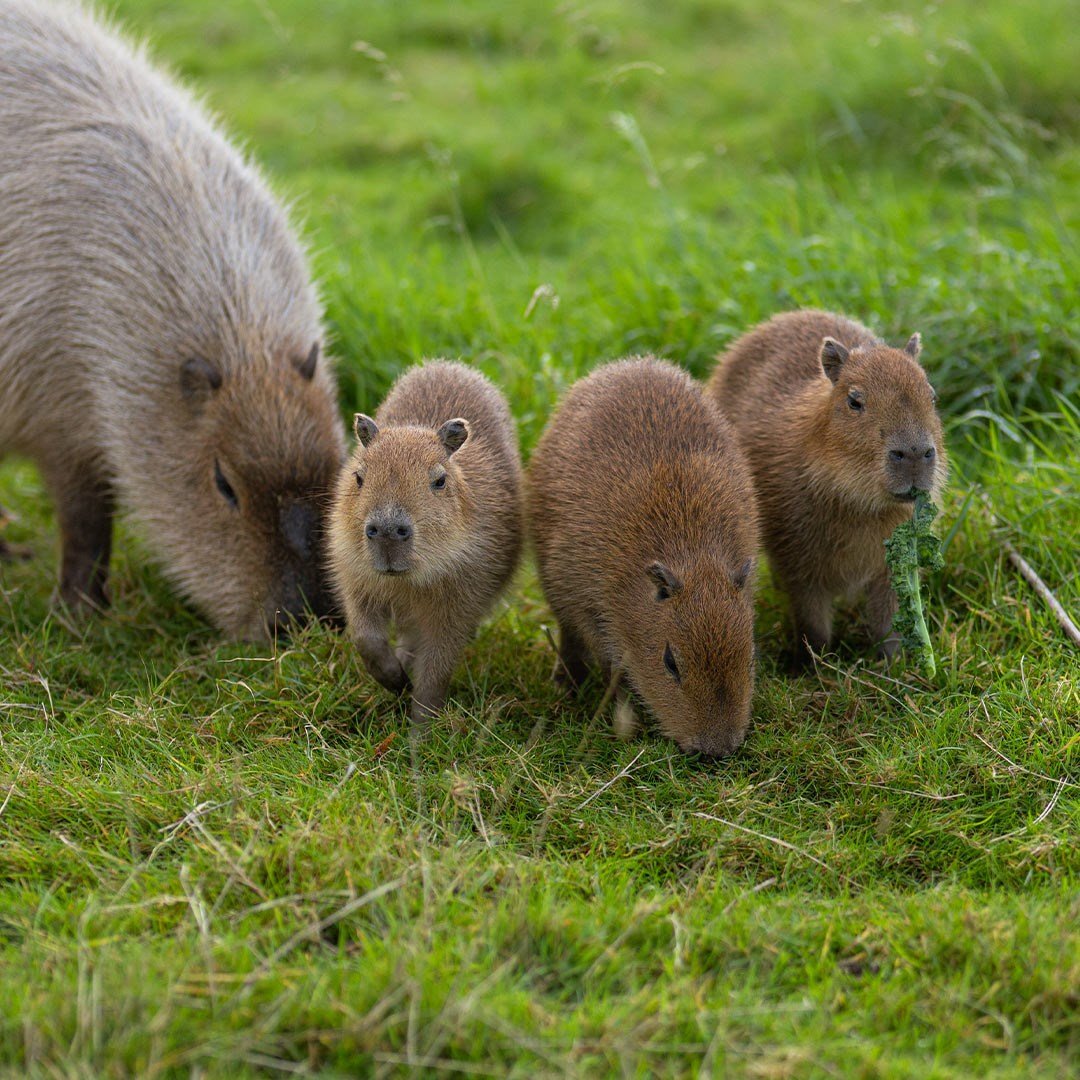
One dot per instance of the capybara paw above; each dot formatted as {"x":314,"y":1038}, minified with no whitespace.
{"x":390,"y":675}
{"x":888,"y":648}
{"x":424,"y":710}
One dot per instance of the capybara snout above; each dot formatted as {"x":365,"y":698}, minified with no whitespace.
{"x":911,"y":463}
{"x":389,"y":534}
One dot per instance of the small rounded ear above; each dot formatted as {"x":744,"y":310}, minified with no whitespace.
{"x":742,"y":575}
{"x":833,"y":357}
{"x":914,"y":346}
{"x":453,"y":434}
{"x":199,"y":378}
{"x":306,"y":366}
{"x":364,"y":428}
{"x":667,"y":584}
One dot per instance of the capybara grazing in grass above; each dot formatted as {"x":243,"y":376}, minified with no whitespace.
{"x":641,"y":511}
{"x":160,"y":338}
{"x":426,"y":526}
{"x":839,"y":430}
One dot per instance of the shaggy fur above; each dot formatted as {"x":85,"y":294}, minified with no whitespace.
{"x":641,"y":511}
{"x":159,"y":331}
{"x":439,"y":462}
{"x":823,"y":408}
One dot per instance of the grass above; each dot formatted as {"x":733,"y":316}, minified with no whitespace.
{"x":217,"y":859}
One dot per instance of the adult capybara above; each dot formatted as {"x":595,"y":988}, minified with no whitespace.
{"x":840,"y":430}
{"x":160,"y":338}
{"x":426,"y":526}
{"x":641,"y":511}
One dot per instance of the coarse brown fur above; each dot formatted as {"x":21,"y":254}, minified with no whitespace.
{"x":641,"y":512}
{"x":834,"y":457}
{"x":426,"y":526}
{"x":159,"y":333}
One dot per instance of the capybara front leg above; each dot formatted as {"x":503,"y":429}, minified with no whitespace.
{"x":571,"y":664}
{"x":881,"y":606}
{"x":813,"y":613}
{"x":84,"y":507}
{"x":436,"y":657}
{"x":368,"y":631}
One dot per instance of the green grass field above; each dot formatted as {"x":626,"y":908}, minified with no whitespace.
{"x":221,"y":860}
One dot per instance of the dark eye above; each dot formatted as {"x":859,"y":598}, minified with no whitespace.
{"x":359,"y":480}
{"x":438,"y":483}
{"x":669,"y":663}
{"x":225,"y":487}
{"x":855,"y":402}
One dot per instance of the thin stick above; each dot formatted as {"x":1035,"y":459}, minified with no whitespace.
{"x":1027,"y":572}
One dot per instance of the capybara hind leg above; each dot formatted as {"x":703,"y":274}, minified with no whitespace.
{"x":368,"y":632}
{"x":881,"y":606}
{"x":85,"y":510}
{"x":813,"y":612}
{"x":571,"y":664}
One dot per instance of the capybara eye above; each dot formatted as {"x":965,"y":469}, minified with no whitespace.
{"x":438,"y":483}
{"x":855,"y":402}
{"x":225,"y":487}
{"x":359,"y":480}
{"x":669,"y":663}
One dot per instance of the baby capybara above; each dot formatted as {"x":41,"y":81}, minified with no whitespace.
{"x":839,"y":430}
{"x":641,"y":511}
{"x":160,"y":338}
{"x":426,"y":526}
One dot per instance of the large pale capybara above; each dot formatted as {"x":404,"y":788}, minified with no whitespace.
{"x":840,"y":430}
{"x":160,"y":337}
{"x":426,"y":527}
{"x":641,"y":511}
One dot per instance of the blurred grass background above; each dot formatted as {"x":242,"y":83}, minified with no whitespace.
{"x":219,"y":860}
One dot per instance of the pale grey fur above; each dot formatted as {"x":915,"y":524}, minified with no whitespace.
{"x":132,"y":237}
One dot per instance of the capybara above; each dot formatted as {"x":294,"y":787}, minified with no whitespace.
{"x":641,"y":512}
{"x":426,"y":526}
{"x":839,"y":430}
{"x":160,"y":338}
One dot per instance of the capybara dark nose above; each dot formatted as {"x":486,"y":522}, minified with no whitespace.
{"x":298,"y":523}
{"x":913,"y":460}
{"x":914,"y":453}
{"x":389,"y":528}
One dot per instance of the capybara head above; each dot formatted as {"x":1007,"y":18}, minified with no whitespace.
{"x":265,"y":448}
{"x":403,"y":498}
{"x":689,"y":651}
{"x":882,"y":438}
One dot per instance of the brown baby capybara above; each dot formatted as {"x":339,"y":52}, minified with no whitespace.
{"x":160,"y":338}
{"x":426,"y":526}
{"x":839,"y":430}
{"x":641,"y":512}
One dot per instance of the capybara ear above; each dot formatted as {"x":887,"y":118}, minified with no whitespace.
{"x":306,"y":366}
{"x":199,"y":378}
{"x":833,"y":357}
{"x":742,"y":575}
{"x":667,"y":584}
{"x":364,"y":428}
{"x":914,"y":346}
{"x":453,"y":434}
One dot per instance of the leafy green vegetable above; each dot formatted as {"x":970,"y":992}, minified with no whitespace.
{"x":911,"y":546}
